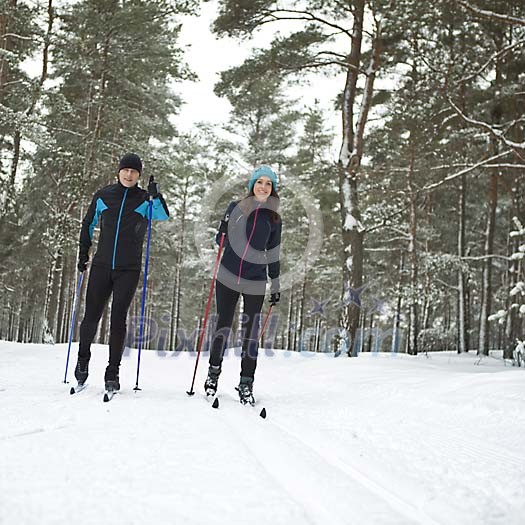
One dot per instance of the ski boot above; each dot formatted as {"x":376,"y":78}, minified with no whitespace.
{"x":111,"y":379}
{"x":81,"y":371}
{"x":245,"y":390}
{"x":210,"y":385}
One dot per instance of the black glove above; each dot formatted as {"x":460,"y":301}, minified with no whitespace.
{"x":223,"y":227}
{"x":153,"y":189}
{"x":275,"y":297}
{"x":83,"y":259}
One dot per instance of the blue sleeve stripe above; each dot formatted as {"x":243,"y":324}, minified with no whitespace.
{"x":142,"y":209}
{"x":101,"y":206}
{"x":158,"y":211}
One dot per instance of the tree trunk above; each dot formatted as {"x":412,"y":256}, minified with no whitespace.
{"x":34,"y":99}
{"x":486,"y":276}
{"x":61,"y":301}
{"x":92,"y":146}
{"x":6,"y":45}
{"x":289,"y":320}
{"x":177,"y":294}
{"x":299,"y":328}
{"x":303,"y":294}
{"x":492,"y":200}
{"x":67,"y":314}
{"x":412,"y":254}
{"x":426,"y":303}
{"x":10,"y":323}
{"x":349,"y":162}
{"x":513,"y":328}
{"x":370,"y":332}
{"x":52,"y":299}
{"x":462,"y":291}
{"x":20,"y":319}
{"x":174,"y":312}
{"x":396,"y":336}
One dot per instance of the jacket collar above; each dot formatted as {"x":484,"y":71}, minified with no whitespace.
{"x":124,"y":188}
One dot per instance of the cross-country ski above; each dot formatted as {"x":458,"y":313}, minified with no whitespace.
{"x":109,"y":395}
{"x":77,"y":389}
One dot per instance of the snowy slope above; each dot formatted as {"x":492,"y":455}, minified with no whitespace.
{"x":380,"y":439}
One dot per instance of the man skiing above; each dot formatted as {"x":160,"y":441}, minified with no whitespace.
{"x":121,"y":210}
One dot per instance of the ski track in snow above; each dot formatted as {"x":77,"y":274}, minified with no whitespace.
{"x":409,"y":511}
{"x":309,"y":458}
{"x":31,"y":432}
{"x":380,"y":440}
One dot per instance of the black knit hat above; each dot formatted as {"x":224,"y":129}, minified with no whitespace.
{"x":130,"y":160}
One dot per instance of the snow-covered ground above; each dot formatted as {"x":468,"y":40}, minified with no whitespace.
{"x":379,"y":439}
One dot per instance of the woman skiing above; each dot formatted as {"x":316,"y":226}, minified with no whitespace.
{"x":252,"y":230}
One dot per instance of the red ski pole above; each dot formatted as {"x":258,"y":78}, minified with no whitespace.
{"x":265,"y":322}
{"x":190,"y":392}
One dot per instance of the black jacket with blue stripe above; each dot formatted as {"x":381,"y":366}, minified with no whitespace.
{"x":122,"y":214}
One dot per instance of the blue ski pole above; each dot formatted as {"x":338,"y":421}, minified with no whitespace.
{"x":141,"y":329}
{"x":73,"y":317}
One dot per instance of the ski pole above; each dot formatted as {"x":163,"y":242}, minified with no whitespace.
{"x":190,"y":392}
{"x":265,"y":322}
{"x":145,"y":282}
{"x":73,"y":316}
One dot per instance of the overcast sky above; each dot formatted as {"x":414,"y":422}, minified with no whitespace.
{"x":207,"y":55}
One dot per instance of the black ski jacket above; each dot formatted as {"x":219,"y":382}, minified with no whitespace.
{"x":252,"y":244}
{"x":123,"y":217}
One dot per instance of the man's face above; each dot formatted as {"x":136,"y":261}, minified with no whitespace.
{"x":128,"y":177}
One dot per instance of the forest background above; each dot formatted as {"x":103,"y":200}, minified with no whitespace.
{"x":408,"y":235}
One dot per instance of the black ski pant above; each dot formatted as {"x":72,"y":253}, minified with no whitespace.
{"x":226,"y":302}
{"x":102,"y":282}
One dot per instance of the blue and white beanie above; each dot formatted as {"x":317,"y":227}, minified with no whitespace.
{"x":262,"y":171}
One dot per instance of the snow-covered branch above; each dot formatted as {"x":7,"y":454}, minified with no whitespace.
{"x":434,"y":185}
{"x":386,"y":220}
{"x":282,"y":14}
{"x":499,"y":165}
{"x":491,"y":15}
{"x":484,"y":257}
{"x":445,"y":284}
{"x":518,"y":147}
{"x":500,"y":54}
{"x":19,"y":37}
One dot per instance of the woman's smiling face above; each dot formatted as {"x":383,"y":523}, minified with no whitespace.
{"x":262,"y":188}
